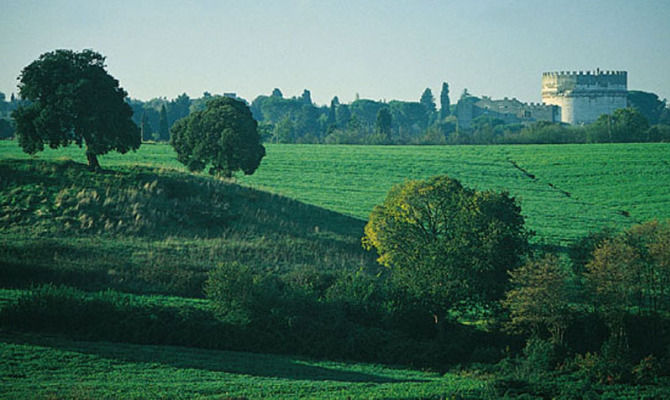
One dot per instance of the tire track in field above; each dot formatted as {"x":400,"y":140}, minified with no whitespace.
{"x":565,"y":193}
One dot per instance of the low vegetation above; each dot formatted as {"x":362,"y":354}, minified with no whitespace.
{"x":156,"y":231}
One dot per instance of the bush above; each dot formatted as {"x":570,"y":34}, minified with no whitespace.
{"x":647,"y":370}
{"x":114,"y":316}
{"x":542,"y":355}
{"x":230,"y":287}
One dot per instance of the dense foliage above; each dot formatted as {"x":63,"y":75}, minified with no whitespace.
{"x":447,"y":244}
{"x":223,"y":136}
{"x":71,"y":98}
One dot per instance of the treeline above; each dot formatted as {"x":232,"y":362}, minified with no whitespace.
{"x":626,"y":125}
{"x":156,"y":116}
{"x":364,"y":121}
{"x":7,"y":126}
{"x":299,"y":120}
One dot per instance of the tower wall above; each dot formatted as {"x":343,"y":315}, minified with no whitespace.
{"x":584,"y":96}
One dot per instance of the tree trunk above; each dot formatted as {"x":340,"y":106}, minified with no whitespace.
{"x":93,"y":163}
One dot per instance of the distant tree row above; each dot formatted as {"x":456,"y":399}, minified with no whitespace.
{"x":624,"y":125}
{"x":364,"y":121}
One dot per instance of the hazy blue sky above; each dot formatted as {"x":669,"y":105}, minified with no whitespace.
{"x":380,"y":49}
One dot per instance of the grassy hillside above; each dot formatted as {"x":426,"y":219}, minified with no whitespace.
{"x":157,"y":232}
{"x":565,"y":191}
{"x":153,"y":230}
{"x":125,"y":254}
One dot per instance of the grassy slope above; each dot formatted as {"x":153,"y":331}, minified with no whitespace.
{"x":161,"y":253}
{"x":142,"y":229}
{"x":565,"y":191}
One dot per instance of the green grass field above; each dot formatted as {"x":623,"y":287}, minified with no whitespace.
{"x":53,"y":228}
{"x":565,"y":191}
{"x":39,"y":367}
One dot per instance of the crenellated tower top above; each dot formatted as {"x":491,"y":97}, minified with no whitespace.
{"x":584,"y":95}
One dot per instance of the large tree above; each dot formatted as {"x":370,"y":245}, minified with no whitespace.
{"x":648,"y":104}
{"x":72,"y":98}
{"x":223,"y":136}
{"x":447,"y":244}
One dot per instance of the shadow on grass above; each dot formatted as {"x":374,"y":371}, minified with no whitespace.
{"x":261,"y":365}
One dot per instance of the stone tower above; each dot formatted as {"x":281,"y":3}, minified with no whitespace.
{"x":584,"y":96}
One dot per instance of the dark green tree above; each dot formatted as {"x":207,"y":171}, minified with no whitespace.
{"x":72,"y":98}
{"x":646,"y":103}
{"x":664,"y":118}
{"x":6,"y":128}
{"x":343,"y":115}
{"x":163,"y":130}
{"x":383,"y":125}
{"x":277,"y":93}
{"x":3,"y":104}
{"x":145,"y":127}
{"x":444,"y":101}
{"x":178,"y":108}
{"x":223,"y":136}
{"x":428,"y":100}
{"x":623,"y":125}
{"x":446,"y":244}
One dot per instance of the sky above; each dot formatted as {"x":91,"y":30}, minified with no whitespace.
{"x":376,"y":49}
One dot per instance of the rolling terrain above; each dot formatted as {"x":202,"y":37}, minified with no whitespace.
{"x":101,"y":275}
{"x":565,"y":191}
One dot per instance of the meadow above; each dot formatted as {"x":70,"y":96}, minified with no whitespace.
{"x":33,"y":367}
{"x":101,"y":276}
{"x":565,"y":191}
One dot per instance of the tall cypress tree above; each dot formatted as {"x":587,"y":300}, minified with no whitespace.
{"x":444,"y":101}
{"x":428,"y":100}
{"x":163,"y":132}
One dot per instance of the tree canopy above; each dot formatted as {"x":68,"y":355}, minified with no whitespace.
{"x":223,"y":136}
{"x":72,"y":98}
{"x":428,"y":100}
{"x":623,"y":125}
{"x":540,"y":298}
{"x":448,"y":244}
{"x":648,"y":104}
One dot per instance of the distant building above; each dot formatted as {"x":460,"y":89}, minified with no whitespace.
{"x":585,"y":96}
{"x":510,"y":111}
